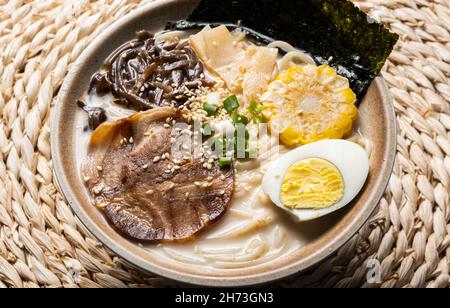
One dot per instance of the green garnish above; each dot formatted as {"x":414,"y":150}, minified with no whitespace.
{"x":231,"y":104}
{"x":225,"y":161}
{"x":210,"y":109}
{"x":252,"y":152}
{"x":206,"y":130}
{"x":219,"y":146}
{"x":239,"y":118}
{"x":255,"y":107}
{"x":255,"y":110}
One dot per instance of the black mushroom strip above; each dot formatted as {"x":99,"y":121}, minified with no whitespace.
{"x":96,"y":115}
{"x":145,"y":73}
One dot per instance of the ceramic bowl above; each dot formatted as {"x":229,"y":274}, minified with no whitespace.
{"x":377,"y":119}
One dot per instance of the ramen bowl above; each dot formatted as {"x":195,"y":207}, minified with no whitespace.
{"x":319,"y":239}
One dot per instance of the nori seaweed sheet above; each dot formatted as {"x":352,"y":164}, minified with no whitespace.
{"x":334,"y":32}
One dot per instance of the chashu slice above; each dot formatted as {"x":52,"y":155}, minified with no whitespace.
{"x":127,"y":173}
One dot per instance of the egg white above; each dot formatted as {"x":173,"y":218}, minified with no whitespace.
{"x":348,"y":157}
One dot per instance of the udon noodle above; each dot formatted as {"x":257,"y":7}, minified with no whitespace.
{"x":292,"y":56}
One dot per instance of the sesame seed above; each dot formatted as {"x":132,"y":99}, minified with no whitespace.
{"x":131,"y":140}
{"x":166,"y":125}
{"x":150,"y":192}
{"x":198,"y":184}
{"x":99,"y":168}
{"x":98,"y":189}
{"x":222,"y":192}
{"x":86,"y":178}
{"x":156,"y":159}
{"x":147,"y":134}
{"x":102,"y":205}
{"x":145,"y":166}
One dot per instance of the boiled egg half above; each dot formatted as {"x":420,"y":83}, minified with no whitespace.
{"x":318,"y":178}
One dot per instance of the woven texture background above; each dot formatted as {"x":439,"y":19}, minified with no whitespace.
{"x":42,"y":244}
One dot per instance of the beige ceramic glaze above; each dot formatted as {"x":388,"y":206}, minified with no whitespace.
{"x":377,"y":123}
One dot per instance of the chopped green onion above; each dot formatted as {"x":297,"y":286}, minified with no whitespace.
{"x":219,"y":146}
{"x":207,"y":130}
{"x":225,"y":161}
{"x":252,"y":152}
{"x":255,"y":107}
{"x":230,"y":146}
{"x":231,"y":104}
{"x":210,"y":109}
{"x":255,"y":110}
{"x":241,"y":137}
{"x":239,"y":118}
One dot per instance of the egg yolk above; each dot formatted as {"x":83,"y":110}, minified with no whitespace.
{"x":312,"y":184}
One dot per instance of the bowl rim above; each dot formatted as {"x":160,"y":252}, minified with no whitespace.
{"x":192,"y":279}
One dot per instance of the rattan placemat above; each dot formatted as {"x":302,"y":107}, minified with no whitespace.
{"x":42,"y":244}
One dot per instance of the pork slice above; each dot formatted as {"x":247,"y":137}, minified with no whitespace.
{"x":127,"y":178}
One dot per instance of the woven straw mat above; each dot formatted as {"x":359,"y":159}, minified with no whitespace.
{"x":42,"y":243}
